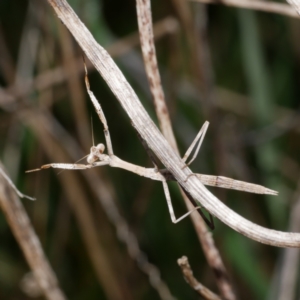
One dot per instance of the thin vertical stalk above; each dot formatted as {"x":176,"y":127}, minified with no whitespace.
{"x":23,"y":231}
{"x":149,"y":54}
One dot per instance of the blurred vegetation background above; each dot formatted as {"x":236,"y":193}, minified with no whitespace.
{"x":246,"y":85}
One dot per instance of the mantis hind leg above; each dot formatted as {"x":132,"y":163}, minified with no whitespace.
{"x":170,"y":206}
{"x":209,"y":222}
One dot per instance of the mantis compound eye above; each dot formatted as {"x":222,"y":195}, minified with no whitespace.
{"x":92,"y":157}
{"x":95,"y":153}
{"x":100,"y":148}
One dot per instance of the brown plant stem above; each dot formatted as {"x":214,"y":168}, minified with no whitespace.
{"x":149,"y":54}
{"x":193,"y":282}
{"x":24,"y":233}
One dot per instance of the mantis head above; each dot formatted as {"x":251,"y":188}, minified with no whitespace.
{"x":95,"y":153}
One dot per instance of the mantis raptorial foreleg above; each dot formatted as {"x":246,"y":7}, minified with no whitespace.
{"x":100,"y":114}
{"x":170,"y":206}
{"x":75,"y":166}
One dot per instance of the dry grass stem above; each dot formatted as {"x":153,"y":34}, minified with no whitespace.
{"x":22,"y":229}
{"x":21,"y":195}
{"x":295,"y":4}
{"x":289,"y":271}
{"x":265,"y":6}
{"x":193,"y":282}
{"x":202,"y":69}
{"x":152,"y":71}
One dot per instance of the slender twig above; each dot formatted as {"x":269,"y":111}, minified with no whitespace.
{"x":198,"y":46}
{"x":295,"y":4}
{"x":157,"y":143}
{"x":149,"y":55}
{"x":287,"y":279}
{"x":266,"y":6}
{"x":193,"y":282}
{"x":22,"y":229}
{"x":21,"y":195}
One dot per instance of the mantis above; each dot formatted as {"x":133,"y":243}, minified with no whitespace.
{"x":97,"y":158}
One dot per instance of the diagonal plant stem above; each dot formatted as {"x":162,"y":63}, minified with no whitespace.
{"x":157,"y":143}
{"x":289,"y":270}
{"x":26,"y":237}
{"x":265,"y":6}
{"x":187,"y":272}
{"x":295,"y":4}
{"x":149,"y":54}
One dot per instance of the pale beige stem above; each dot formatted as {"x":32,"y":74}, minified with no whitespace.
{"x":266,"y":6}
